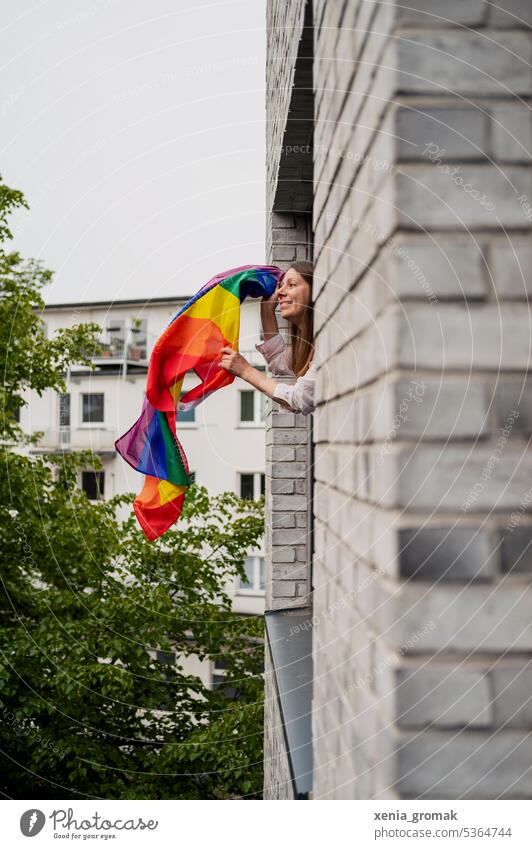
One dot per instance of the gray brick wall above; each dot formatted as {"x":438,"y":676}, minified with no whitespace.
{"x":287,"y":499}
{"x":288,"y":435}
{"x":288,"y":452}
{"x":277,"y":780}
{"x":422,"y":513}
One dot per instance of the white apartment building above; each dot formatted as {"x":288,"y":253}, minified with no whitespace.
{"x":223,"y":437}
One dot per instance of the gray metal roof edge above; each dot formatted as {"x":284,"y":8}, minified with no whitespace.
{"x":128,"y":302}
{"x":295,"y":779}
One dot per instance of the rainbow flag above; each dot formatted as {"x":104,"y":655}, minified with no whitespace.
{"x":209,"y":321}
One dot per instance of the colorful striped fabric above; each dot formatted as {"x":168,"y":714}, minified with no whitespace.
{"x":209,"y":321}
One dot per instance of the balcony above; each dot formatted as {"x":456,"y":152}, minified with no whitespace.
{"x":98,"y":439}
{"x":117,"y":351}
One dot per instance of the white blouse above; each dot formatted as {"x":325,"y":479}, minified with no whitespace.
{"x":299,"y":395}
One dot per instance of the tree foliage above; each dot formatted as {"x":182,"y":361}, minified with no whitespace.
{"x":91,"y":612}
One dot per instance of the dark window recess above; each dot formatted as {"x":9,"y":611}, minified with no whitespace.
{"x":262,"y":484}
{"x":247,"y":406}
{"x":186,"y":415}
{"x":192,"y":477}
{"x":247,"y":486}
{"x":92,"y":410}
{"x":220,"y":664}
{"x":167,"y":657}
{"x":92,"y":483}
{"x":219,"y":682}
{"x":62,"y":479}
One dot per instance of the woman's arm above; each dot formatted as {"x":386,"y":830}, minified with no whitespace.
{"x":298,"y":396}
{"x":277,"y":355}
{"x":268,"y":318}
{"x":236,"y":364}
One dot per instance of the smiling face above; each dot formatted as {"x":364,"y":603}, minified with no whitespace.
{"x":294,"y":296}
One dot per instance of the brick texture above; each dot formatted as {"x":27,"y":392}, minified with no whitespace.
{"x":422,"y":419}
{"x":421,"y":217}
{"x":288,"y":436}
{"x":277,"y":780}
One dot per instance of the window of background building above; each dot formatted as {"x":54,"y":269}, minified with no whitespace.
{"x":92,"y":408}
{"x":218,"y":678}
{"x":251,"y":485}
{"x":116,"y":333}
{"x":192,"y":476}
{"x":168,"y":657}
{"x":64,"y":418}
{"x":185,"y":415}
{"x":138,"y":349}
{"x":255,"y":581}
{"x":93,"y":484}
{"x":64,"y":409}
{"x":252,"y":407}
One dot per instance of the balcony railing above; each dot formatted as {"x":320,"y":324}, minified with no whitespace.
{"x":117,"y":350}
{"x":91,"y":438}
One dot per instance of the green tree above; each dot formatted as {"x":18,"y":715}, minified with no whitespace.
{"x":91,"y":613}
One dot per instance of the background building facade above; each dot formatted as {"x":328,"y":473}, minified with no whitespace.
{"x":399,"y":148}
{"x":223,"y":438}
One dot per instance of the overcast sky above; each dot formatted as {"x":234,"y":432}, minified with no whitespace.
{"x":136,"y":132}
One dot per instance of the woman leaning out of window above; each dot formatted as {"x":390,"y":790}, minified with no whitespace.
{"x":294,"y":296}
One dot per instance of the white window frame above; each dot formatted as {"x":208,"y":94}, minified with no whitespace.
{"x":94,"y":472}
{"x":256,"y":483}
{"x":259,"y":407}
{"x":219,"y":673}
{"x":255,"y":589}
{"x":179,"y":423}
{"x":94,"y":424}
